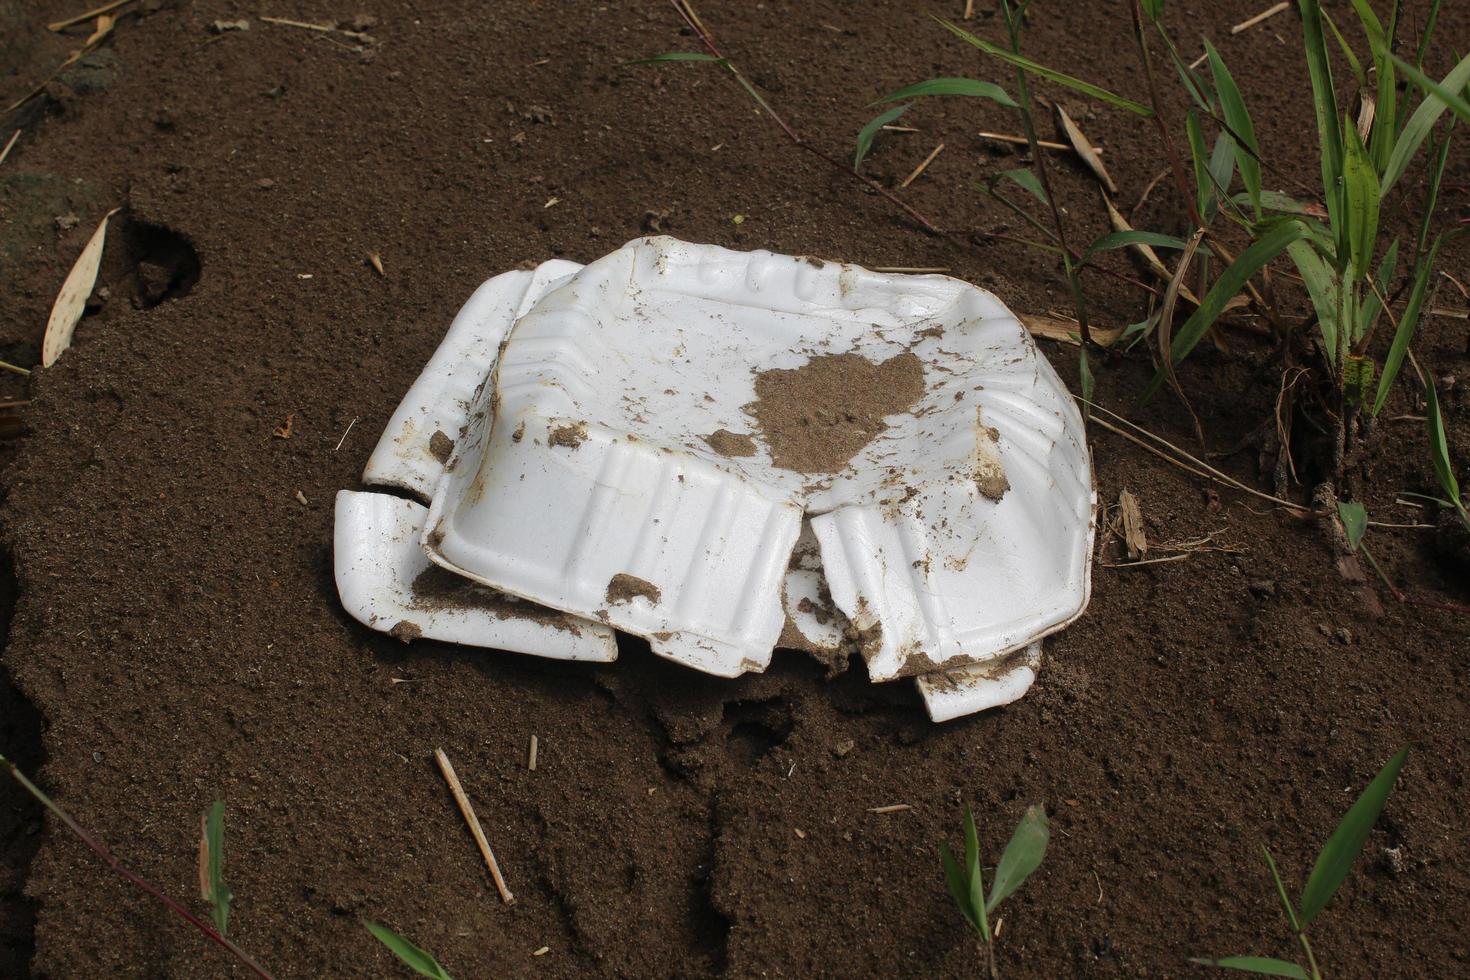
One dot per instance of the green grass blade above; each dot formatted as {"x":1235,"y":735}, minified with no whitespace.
{"x":1416,"y":130}
{"x":1281,"y":889}
{"x":1436,"y":178}
{"x":1372,"y":301}
{"x":220,"y":895}
{"x":414,"y":958}
{"x":1324,"y":104}
{"x":951,"y":86}
{"x":674,"y":56}
{"x":1265,"y":248}
{"x":1385,"y":125}
{"x":958,"y":884}
{"x":1408,"y":322}
{"x":1204,"y":187}
{"x":1283,"y":203}
{"x":1361,"y":197}
{"x":1354,"y":65}
{"x":1354,"y":518}
{"x":1221,"y":171}
{"x":1153,"y":8}
{"x":1439,"y":446}
{"x":1429,"y":22}
{"x":1261,"y":965}
{"x":1242,"y":131}
{"x":1022,"y":856}
{"x":1025,"y":178}
{"x":868,"y":132}
{"x":1041,"y":71}
{"x":1122,"y":239}
{"x":972,"y":846}
{"x":1346,"y":843}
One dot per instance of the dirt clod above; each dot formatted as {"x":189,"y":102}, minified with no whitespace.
{"x":623,"y":587}
{"x":728,"y":443}
{"x":568,"y":436}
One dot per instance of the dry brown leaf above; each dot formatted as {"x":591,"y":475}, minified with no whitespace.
{"x":1133,"y":534}
{"x":376,"y":261}
{"x":1066,"y":331}
{"x":204,"y":890}
{"x":283,"y":431}
{"x":1084,"y":149}
{"x":72,"y":299}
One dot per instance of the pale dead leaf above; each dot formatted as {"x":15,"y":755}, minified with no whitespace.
{"x":72,"y":299}
{"x":1066,"y":331}
{"x":1085,"y":149}
{"x":1133,"y":533}
{"x":204,"y":889}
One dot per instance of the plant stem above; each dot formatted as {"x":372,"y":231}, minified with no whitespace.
{"x":96,"y":848}
{"x":1311,"y":960}
{"x":1038,"y":164}
{"x":704,"y":36}
{"x":989,"y":945}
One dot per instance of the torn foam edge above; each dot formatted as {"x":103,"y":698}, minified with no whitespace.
{"x":387,"y":583}
{"x":378,"y":557}
{"x":1021,"y":551}
{"x":951,"y":694}
{"x":418,"y":439}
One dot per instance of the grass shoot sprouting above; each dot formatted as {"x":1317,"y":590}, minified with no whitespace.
{"x":1332,"y":867}
{"x":966,"y":881}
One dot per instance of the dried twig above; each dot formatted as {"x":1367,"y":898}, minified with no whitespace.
{"x":474,"y":823}
{"x":1250,"y":22}
{"x":106,"y":8}
{"x":344,"y":434}
{"x":891,"y":808}
{"x":912,"y":269}
{"x":1021,"y":141}
{"x":531,"y":755}
{"x":922,"y":166}
{"x":8,"y":144}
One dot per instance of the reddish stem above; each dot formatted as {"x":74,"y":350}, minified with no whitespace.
{"x":96,"y":848}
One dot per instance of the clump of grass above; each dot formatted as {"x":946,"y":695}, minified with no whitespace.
{"x":1344,"y":262}
{"x":416,"y":959}
{"x":214,"y":935}
{"x":1332,"y":867}
{"x":966,"y":881}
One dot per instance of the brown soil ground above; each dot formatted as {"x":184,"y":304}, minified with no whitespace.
{"x":176,"y":636}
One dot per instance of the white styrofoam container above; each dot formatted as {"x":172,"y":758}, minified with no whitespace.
{"x":571,"y":468}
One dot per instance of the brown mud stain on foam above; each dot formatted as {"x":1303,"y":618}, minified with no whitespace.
{"x":728,"y":443}
{"x":569,"y":436}
{"x":817,"y":417}
{"x":623,"y":587}
{"x":989,"y":473}
{"x":438,"y":588}
{"x":950,"y":678}
{"x":440,"y":446}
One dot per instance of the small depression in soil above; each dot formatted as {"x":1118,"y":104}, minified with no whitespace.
{"x":817,"y":417}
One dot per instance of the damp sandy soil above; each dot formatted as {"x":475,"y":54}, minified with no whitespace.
{"x":815,"y":418}
{"x":175,"y":635}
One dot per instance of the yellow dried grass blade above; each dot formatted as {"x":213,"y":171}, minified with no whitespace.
{"x":72,"y":299}
{"x":1085,"y":150}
